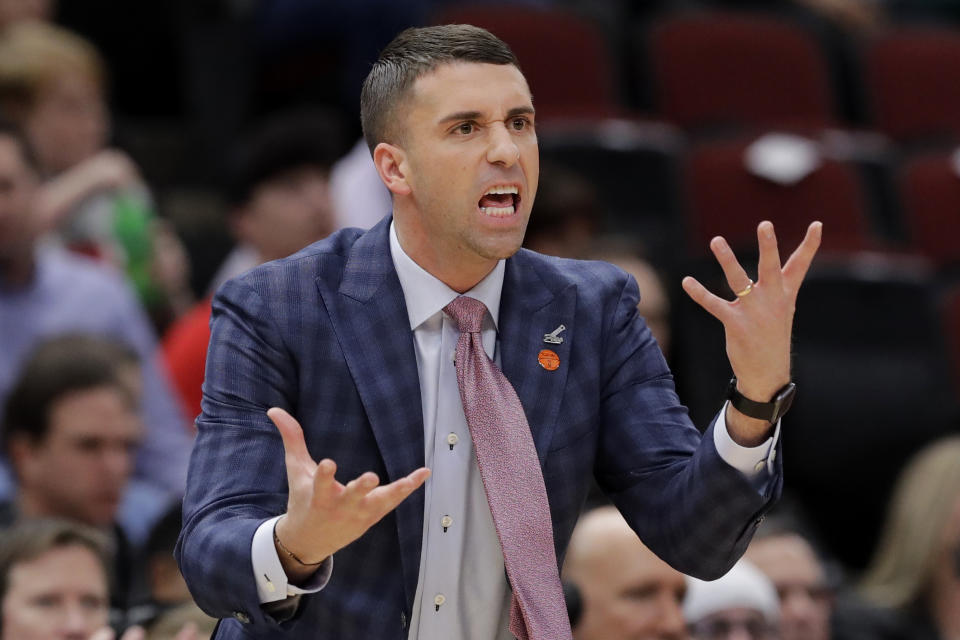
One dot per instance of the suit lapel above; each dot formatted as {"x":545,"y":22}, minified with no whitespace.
{"x":370,"y":319}
{"x":529,"y":309}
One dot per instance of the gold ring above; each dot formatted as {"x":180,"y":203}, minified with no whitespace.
{"x":743,"y":293}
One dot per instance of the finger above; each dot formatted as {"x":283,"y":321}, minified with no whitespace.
{"x":188,"y":632}
{"x":768,"y":269}
{"x":384,"y":499}
{"x":737,"y":278}
{"x":325,"y":485}
{"x":103,"y":634}
{"x":796,"y":268}
{"x":294,"y":445}
{"x":134,"y":633}
{"x":717,"y":307}
{"x":358,"y":488}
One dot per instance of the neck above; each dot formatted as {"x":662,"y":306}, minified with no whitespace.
{"x":461,"y":272}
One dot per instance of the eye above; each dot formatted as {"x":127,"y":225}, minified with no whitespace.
{"x":465,"y":128}
{"x":519,"y":124}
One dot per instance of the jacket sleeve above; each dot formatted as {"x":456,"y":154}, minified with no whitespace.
{"x":685,"y":502}
{"x":237,"y":477}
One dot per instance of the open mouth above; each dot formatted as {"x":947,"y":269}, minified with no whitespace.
{"x":500,"y":201}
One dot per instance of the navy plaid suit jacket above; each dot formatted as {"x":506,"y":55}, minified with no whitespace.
{"x":325,"y":334}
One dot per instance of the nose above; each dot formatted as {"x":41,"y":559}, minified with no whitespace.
{"x":671,"y":624}
{"x":75,"y":623}
{"x":503,"y":149}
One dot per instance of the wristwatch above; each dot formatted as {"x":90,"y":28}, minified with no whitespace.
{"x":770,"y":411}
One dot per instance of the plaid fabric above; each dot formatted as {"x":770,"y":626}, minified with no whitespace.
{"x":324,"y":334}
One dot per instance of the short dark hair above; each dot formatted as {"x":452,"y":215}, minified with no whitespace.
{"x":55,"y":368}
{"x":283,"y":142}
{"x":11,"y":130}
{"x":412,"y":54}
{"x":30,"y":539}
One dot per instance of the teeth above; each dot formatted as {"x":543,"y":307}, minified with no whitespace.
{"x":498,"y":212}
{"x":502,"y":189}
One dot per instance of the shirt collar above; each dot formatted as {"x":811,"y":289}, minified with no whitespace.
{"x":425,"y":295}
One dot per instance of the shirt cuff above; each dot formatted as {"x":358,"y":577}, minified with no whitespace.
{"x":272,"y":584}
{"x":750,"y":461}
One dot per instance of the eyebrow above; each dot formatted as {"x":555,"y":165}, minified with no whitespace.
{"x":475,"y":115}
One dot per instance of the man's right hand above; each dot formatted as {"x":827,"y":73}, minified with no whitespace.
{"x":323,"y":516}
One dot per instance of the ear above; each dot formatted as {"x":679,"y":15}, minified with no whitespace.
{"x":22,"y":451}
{"x":391,"y":163}
{"x":239,"y":222}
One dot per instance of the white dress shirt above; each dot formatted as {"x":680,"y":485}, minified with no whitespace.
{"x":462,"y":591}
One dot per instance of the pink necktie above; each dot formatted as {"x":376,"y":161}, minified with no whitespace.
{"x":512,"y":480}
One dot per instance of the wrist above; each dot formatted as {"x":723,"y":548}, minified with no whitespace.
{"x":292,"y":554}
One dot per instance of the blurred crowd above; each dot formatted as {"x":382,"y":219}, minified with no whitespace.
{"x":148,"y":153}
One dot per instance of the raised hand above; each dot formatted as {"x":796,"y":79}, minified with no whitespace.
{"x":323,"y":515}
{"x":758,"y":322}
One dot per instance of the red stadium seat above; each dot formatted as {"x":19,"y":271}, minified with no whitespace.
{"x":563,"y":56}
{"x":912,"y":83}
{"x":930,"y":190}
{"x":724,"y":198}
{"x":729,"y":69}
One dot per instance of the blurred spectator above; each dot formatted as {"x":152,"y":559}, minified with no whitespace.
{"x":45,"y":291}
{"x":71,"y":429}
{"x":53,"y":582}
{"x":915,"y":570}
{"x":806,"y":598}
{"x":360,"y":199}
{"x":53,"y":83}
{"x":741,"y":605}
{"x":566,"y":215}
{"x":15,"y":11}
{"x":626,"y":590}
{"x":654,"y":303}
{"x":280,"y":197}
{"x":186,"y":622}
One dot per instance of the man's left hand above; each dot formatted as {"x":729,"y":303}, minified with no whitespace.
{"x":758,"y":322}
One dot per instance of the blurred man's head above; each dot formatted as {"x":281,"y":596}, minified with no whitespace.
{"x":800,"y":579}
{"x":742,"y":605}
{"x":52,"y":82}
{"x":53,"y":582}
{"x":279,"y":183}
{"x":71,"y":429}
{"x":628,"y":592}
{"x":18,"y":189}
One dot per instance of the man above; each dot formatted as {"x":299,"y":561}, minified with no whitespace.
{"x":71,"y":431}
{"x":53,"y":582}
{"x":280,"y":202}
{"x":46,"y":292}
{"x":628,"y":592}
{"x":741,"y":605}
{"x":806,"y":602}
{"x":357,"y":337}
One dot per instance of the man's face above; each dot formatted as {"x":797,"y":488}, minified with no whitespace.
{"x":69,"y":122}
{"x":18,"y":185}
{"x":60,"y":595}
{"x":630,"y":594}
{"x":470,"y":160}
{"x":287,"y":212}
{"x":80,"y":469}
{"x":805,"y":601}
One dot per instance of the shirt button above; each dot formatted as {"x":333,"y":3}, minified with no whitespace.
{"x":438,"y":600}
{"x":445,"y":522}
{"x":452,"y":439}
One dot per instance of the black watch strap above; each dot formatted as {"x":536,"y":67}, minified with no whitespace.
{"x":770,"y":411}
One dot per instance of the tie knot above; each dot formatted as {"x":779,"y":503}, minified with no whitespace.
{"x":467,"y":312}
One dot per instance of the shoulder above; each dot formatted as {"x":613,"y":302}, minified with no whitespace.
{"x":595,"y":280}
{"x":65,"y":271}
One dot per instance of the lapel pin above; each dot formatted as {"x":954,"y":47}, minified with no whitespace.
{"x":548,"y":359}
{"x":554,"y":336}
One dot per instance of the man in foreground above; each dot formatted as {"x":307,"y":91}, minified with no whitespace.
{"x":357,"y":336}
